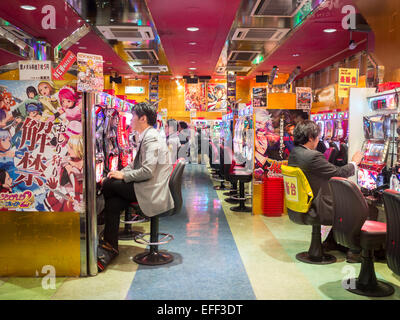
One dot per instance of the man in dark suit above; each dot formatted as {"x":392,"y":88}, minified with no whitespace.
{"x":317,"y":169}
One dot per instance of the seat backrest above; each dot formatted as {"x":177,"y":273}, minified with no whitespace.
{"x":298,"y":192}
{"x":228,"y":162}
{"x":350,"y":212}
{"x":328,"y":153}
{"x":391,"y":200}
{"x":175,"y":186}
{"x":332,"y":154}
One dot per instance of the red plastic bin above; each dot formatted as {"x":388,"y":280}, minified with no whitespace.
{"x":273,"y":196}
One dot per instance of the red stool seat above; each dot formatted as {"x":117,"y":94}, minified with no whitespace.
{"x":374,"y":227}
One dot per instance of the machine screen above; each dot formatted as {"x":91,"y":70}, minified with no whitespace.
{"x":322,"y":127}
{"x":99,"y":171}
{"x":329,"y":128}
{"x":374,"y":152}
{"x":377,"y":130}
{"x":367,"y":179}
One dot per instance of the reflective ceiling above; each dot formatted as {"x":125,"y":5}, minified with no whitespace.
{"x":246,"y":36}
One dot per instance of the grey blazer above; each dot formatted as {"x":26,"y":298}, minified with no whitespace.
{"x":150,"y":172}
{"x":318,"y":171}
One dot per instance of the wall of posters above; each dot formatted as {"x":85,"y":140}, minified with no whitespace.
{"x":195,"y":96}
{"x":303,"y":98}
{"x":217,"y":97}
{"x":260,"y":97}
{"x":41,"y":146}
{"x":273,"y":137}
{"x":90,"y":73}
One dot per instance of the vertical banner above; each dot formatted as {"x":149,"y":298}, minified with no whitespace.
{"x":41,"y":147}
{"x":90,"y":73}
{"x":64,"y":66}
{"x":347,"y":78}
{"x":34,"y":70}
{"x":231,"y":95}
{"x":195,"y":96}
{"x":153,"y":89}
{"x":303,"y":98}
{"x":260,"y":97}
{"x":273,"y":138}
{"x":217,"y":97}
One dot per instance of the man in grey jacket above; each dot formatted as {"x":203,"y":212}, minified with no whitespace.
{"x":318,"y":171}
{"x":145,"y":180}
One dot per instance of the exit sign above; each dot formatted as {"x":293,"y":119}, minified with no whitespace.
{"x":134,"y":90}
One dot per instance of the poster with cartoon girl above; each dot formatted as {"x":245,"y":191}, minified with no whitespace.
{"x":217,"y":97}
{"x":41,"y":147}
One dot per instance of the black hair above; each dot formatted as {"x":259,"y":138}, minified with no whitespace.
{"x":172,"y":123}
{"x":2,"y":176}
{"x":305,"y":131}
{"x":148,"y":110}
{"x":183,"y":124}
{"x":31,"y":89}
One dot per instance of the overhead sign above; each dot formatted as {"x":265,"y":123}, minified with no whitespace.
{"x":347,"y":78}
{"x":303,"y":98}
{"x":34,"y":70}
{"x":90,"y":73}
{"x":64,"y":66}
{"x":134,"y":90}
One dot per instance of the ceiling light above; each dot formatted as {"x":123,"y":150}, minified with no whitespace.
{"x":192,"y":29}
{"x":27,"y":7}
{"x":82,"y":48}
{"x":192,"y":61}
{"x":192,"y":68}
{"x":330,"y":30}
{"x":296,"y":55}
{"x":192,"y":43}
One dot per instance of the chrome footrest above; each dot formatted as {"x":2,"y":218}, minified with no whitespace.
{"x":219,"y":180}
{"x":136,"y":219}
{"x":238,"y":198}
{"x":165,"y":239}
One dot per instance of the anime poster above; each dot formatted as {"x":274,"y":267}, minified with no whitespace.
{"x":41,"y":146}
{"x":274,"y":138}
{"x":217,"y":97}
{"x":303,"y":98}
{"x":259,"y":97}
{"x":90,"y":73}
{"x":195,"y":96}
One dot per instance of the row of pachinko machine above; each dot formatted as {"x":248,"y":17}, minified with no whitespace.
{"x":56,"y":145}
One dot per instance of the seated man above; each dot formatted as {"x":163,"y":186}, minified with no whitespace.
{"x":317,"y":169}
{"x":145,"y":180}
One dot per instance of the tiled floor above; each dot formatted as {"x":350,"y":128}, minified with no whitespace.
{"x":219,"y":254}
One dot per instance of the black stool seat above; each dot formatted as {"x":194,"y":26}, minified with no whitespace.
{"x":241,"y":176}
{"x":352,"y":230}
{"x":315,"y":254}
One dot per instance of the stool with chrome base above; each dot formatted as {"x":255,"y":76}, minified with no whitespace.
{"x":153,"y":256}
{"x":391,"y":199}
{"x":300,"y":211}
{"x":352,"y":230}
{"x":241,"y":176}
{"x":131,"y":218}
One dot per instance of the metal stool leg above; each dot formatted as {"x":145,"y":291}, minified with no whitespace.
{"x":153,"y":257}
{"x":242,"y":200}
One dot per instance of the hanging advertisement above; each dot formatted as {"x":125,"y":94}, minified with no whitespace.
{"x":64,"y":66}
{"x":303,"y":98}
{"x":217,"y":97}
{"x":347,"y":78}
{"x":34,"y":70}
{"x":274,"y":138}
{"x":195,"y":96}
{"x":90,"y":73}
{"x":41,"y":147}
{"x":260,"y":97}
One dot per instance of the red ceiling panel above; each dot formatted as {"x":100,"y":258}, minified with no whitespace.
{"x":67,"y":21}
{"x":213,"y":18}
{"x":316,"y":48}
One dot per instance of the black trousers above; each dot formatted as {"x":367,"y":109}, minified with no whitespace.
{"x":117,"y":195}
